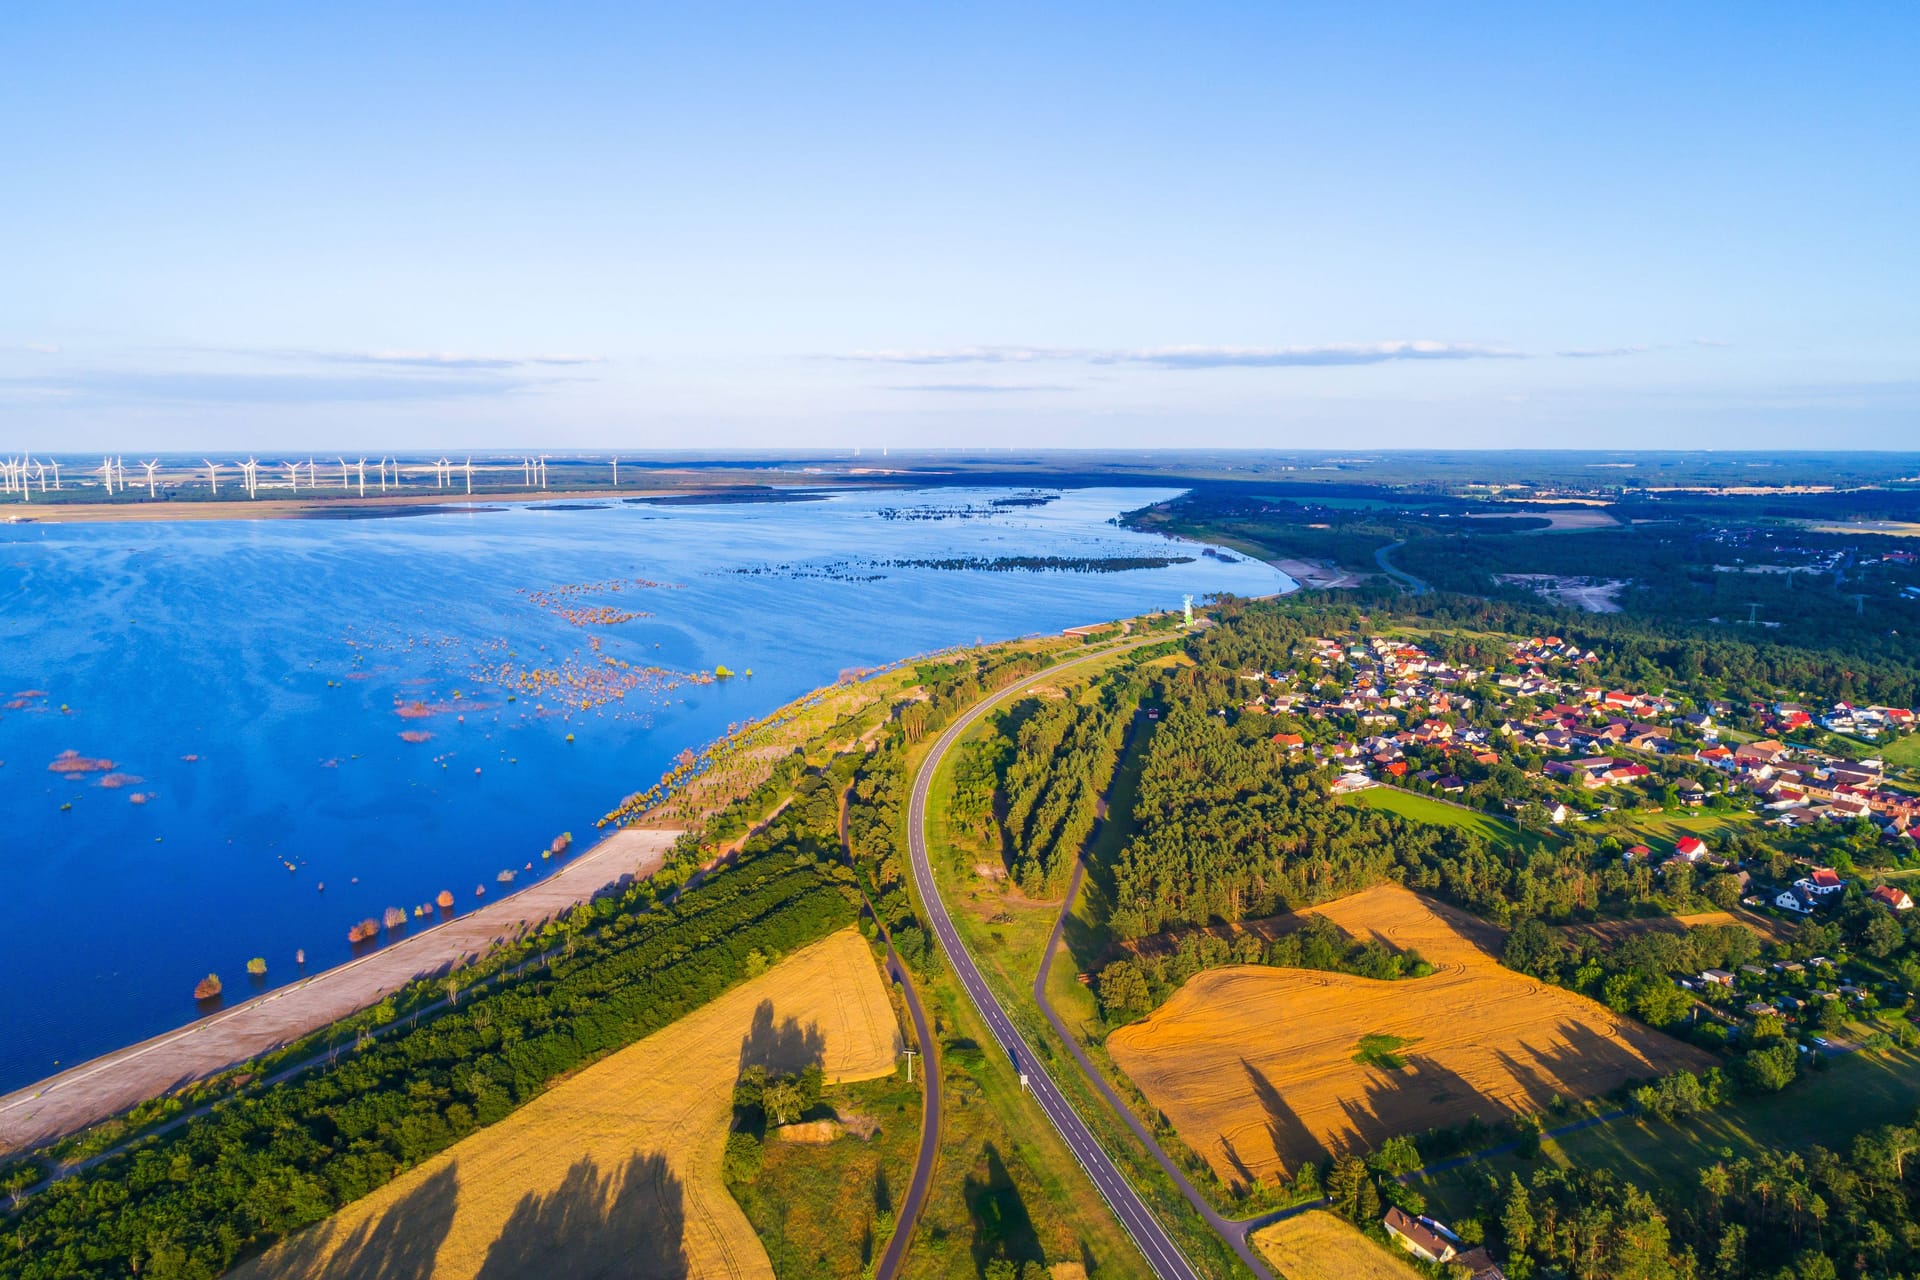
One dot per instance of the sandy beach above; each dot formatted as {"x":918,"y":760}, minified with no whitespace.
{"x":110,"y":1084}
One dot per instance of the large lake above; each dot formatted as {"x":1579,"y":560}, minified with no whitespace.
{"x":189,"y":710}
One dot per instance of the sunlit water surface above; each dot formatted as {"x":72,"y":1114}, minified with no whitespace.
{"x":233,"y":694}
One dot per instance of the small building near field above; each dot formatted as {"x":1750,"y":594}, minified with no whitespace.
{"x":1422,"y":1237}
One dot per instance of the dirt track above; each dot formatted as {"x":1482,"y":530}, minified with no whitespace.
{"x":108,"y":1085}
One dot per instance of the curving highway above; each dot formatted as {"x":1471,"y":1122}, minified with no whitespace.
{"x":1162,"y":1255}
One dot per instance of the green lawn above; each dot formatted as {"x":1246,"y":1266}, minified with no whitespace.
{"x":1902,"y":752}
{"x":1826,"y":1108}
{"x":1496,"y":831}
{"x":1662,"y":825}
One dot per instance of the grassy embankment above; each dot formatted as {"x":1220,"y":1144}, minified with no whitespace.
{"x":1005,"y":1185}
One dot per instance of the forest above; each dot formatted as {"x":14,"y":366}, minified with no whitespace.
{"x":1032,"y":789}
{"x":189,"y":1202}
{"x":1682,"y":555}
{"x":1781,"y":1215}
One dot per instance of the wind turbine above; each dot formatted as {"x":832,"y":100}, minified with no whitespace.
{"x":343,"y":474}
{"x":363,"y":477}
{"x":56,"y":475}
{"x":252,"y":467}
{"x":40,"y":473}
{"x":383,"y":473}
{"x":213,"y":474}
{"x":150,"y":466}
{"x":469,"y":475}
{"x":526,"y":467}
{"x":616,"y":471}
{"x":106,"y":474}
{"x":543,"y":471}
{"x":293,"y":472}
{"x":120,"y":471}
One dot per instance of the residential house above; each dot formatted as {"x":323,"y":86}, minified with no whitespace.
{"x":1422,"y":1237}
{"x":1823,"y":883}
{"x":1891,"y":898}
{"x":1797,"y":900}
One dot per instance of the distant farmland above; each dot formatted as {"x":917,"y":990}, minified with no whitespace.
{"x":1260,"y":1069}
{"x":615,"y":1171}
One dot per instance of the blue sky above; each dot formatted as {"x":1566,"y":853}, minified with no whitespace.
{"x":1288,"y":226}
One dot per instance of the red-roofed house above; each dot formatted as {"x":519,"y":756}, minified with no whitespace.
{"x":1417,"y":1237}
{"x":1692,"y":848}
{"x":1893,"y":899}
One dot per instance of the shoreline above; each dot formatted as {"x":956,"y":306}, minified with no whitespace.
{"x":105,"y":1086}
{"x":294,"y":508}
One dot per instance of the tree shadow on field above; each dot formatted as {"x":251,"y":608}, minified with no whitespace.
{"x":1583,"y":1052}
{"x":398,"y":1245}
{"x":783,"y":1047}
{"x":626,"y":1223}
{"x":1439,"y":1095}
{"x":1002,"y":1227}
{"x":1292,"y":1141}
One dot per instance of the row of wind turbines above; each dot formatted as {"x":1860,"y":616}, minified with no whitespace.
{"x":19,"y":475}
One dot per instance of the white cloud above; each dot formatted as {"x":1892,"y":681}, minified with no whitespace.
{"x":1201,"y":357}
{"x":1602,"y":353}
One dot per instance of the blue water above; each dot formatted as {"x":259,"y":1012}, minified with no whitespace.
{"x":277,"y":654}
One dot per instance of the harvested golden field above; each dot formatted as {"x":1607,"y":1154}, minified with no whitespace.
{"x":1260,"y":1069}
{"x":1318,"y":1245}
{"x":615,"y":1171}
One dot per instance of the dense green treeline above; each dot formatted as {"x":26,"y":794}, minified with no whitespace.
{"x":1232,"y":829}
{"x":190,"y":1202}
{"x":1775,"y":1215}
{"x":953,"y":685}
{"x":1061,"y":763}
{"x":1139,"y":984}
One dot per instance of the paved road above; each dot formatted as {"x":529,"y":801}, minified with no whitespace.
{"x":917,"y":1187}
{"x":1162,"y":1255}
{"x":916,"y":1197}
{"x":1233,"y":1231}
{"x":1399,"y":575}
